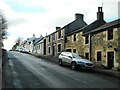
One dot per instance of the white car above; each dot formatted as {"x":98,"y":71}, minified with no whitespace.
{"x":20,"y":50}
{"x":74,"y":60}
{"x":24,"y":50}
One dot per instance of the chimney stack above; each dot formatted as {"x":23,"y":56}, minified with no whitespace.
{"x":99,"y":14}
{"x":58,"y":28}
{"x":79,"y":16}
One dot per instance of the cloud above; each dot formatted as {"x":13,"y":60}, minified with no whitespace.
{"x":8,"y":43}
{"x":15,"y":22}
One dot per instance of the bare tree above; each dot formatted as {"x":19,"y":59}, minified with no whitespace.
{"x":3,"y":27}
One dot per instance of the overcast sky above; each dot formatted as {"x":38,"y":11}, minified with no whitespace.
{"x":28,"y":17}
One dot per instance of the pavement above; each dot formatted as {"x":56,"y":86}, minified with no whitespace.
{"x":97,"y":69}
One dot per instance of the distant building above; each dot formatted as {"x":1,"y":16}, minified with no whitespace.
{"x":29,"y":44}
{"x":38,"y":45}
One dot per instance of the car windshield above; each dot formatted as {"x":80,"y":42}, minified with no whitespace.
{"x":76,"y":56}
{"x":82,"y":56}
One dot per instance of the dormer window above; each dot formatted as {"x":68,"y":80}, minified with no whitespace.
{"x":86,"y":39}
{"x":110,"y":34}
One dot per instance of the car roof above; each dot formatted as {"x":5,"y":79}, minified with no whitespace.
{"x":67,"y":53}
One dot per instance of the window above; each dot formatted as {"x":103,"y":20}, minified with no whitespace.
{"x":65,"y":39}
{"x":74,"y":50}
{"x":40,"y":46}
{"x":49,"y":50}
{"x":29,"y":43}
{"x":49,"y":38}
{"x":99,"y":56}
{"x":87,"y":55}
{"x":37,"y":46}
{"x":53,"y":36}
{"x":110,"y":34}
{"x":59,"y":34}
{"x":74,"y":38}
{"x":59,"y":47}
{"x":86,"y":39}
{"x":110,"y":59}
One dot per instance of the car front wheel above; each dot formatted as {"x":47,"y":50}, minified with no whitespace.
{"x":73,"y":65}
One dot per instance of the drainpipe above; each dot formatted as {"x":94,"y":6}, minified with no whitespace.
{"x":64,"y":43}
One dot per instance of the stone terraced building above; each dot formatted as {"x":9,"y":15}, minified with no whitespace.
{"x":105,"y":44}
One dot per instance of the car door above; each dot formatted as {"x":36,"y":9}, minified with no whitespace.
{"x":63,"y":57}
{"x":70,"y":57}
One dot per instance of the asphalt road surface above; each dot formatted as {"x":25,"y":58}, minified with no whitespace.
{"x":27,"y":71}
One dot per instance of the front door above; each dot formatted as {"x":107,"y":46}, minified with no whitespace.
{"x":110,"y":57}
{"x":44,"y":47}
{"x":53,"y":51}
{"x":99,"y":56}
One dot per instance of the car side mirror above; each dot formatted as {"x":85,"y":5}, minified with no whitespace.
{"x":70,"y":57}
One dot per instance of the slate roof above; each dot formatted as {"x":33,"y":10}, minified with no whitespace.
{"x":75,"y":31}
{"x":115,"y":23}
{"x":87,"y":29}
{"x":30,"y":39}
{"x":38,"y":39}
{"x":73,"y":26}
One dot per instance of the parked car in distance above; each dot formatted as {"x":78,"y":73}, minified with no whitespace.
{"x":20,"y":50}
{"x":75,"y":61}
{"x":24,"y":50}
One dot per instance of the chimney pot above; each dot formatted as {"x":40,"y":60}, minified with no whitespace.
{"x":58,"y":28}
{"x":99,"y":13}
{"x":79,"y":16}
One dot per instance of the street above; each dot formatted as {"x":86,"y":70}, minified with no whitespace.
{"x":27,"y":71}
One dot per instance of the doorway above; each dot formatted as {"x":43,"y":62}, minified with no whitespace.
{"x":99,"y":56}
{"x":53,"y":52}
{"x":110,"y":60}
{"x":44,"y":47}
